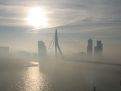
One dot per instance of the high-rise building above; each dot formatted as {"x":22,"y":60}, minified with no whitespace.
{"x":99,"y":48}
{"x":90,"y":47}
{"x":42,"y":52}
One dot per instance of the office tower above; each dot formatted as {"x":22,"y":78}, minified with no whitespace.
{"x":99,"y":48}
{"x":90,"y":47}
{"x":42,"y":52}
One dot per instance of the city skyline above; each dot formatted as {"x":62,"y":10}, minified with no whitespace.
{"x":43,"y":50}
{"x":60,"y":45}
{"x":77,"y":21}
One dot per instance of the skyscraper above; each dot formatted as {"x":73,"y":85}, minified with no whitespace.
{"x":42,"y":52}
{"x":90,"y":47}
{"x":99,"y":48}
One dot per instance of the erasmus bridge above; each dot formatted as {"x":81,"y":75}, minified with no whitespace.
{"x":57,"y":50}
{"x":55,"y":42}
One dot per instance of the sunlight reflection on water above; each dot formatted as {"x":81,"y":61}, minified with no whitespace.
{"x":34,"y":80}
{"x":63,"y":77}
{"x":23,"y":79}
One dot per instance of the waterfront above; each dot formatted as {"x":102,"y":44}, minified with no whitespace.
{"x":69,"y":76}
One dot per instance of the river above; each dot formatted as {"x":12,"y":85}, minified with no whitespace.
{"x":66,"y":77}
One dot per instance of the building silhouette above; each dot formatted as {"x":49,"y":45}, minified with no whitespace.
{"x":99,"y":48}
{"x":42,"y":52}
{"x":90,"y":47}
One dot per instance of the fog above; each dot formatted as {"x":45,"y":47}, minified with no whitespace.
{"x":68,"y":64}
{"x":82,"y":73}
{"x":60,"y":45}
{"x":69,"y":72}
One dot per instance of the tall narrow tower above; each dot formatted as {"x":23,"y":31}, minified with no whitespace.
{"x":90,"y":47}
{"x":57,"y":47}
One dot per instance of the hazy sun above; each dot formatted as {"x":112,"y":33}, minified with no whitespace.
{"x":37,"y":17}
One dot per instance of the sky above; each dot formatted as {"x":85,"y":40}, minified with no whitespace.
{"x":61,"y":12}
{"x":77,"y":20}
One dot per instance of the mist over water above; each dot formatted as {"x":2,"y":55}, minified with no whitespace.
{"x":79,"y":48}
{"x":72,"y":70}
{"x":68,"y":73}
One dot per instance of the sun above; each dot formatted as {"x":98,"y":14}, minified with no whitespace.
{"x":37,"y":17}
